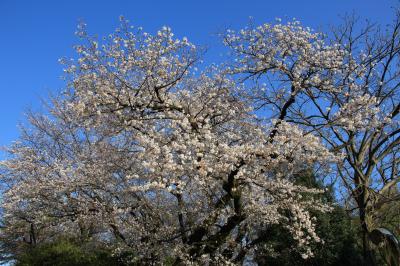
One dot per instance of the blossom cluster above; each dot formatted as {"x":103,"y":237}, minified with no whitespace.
{"x":361,"y":113}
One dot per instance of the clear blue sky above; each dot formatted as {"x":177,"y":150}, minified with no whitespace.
{"x":35,"y":34}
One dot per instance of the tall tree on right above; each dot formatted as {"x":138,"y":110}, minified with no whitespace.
{"x":347,"y":92}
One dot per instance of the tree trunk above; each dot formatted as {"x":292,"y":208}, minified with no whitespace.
{"x":368,"y":253}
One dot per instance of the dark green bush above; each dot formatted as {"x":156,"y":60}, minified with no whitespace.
{"x":66,"y":253}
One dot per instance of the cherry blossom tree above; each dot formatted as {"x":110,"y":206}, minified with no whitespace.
{"x":146,"y":154}
{"x":142,"y":150}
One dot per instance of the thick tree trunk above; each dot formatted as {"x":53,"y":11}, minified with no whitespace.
{"x":368,"y":253}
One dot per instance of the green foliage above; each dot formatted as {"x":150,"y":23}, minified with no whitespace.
{"x":340,"y":245}
{"x":66,"y":253}
{"x":339,"y":234}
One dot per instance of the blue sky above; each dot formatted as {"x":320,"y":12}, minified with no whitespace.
{"x":35,"y":34}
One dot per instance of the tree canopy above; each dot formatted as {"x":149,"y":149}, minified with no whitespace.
{"x":149,"y":151}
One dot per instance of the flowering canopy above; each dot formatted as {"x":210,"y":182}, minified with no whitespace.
{"x":143,"y":152}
